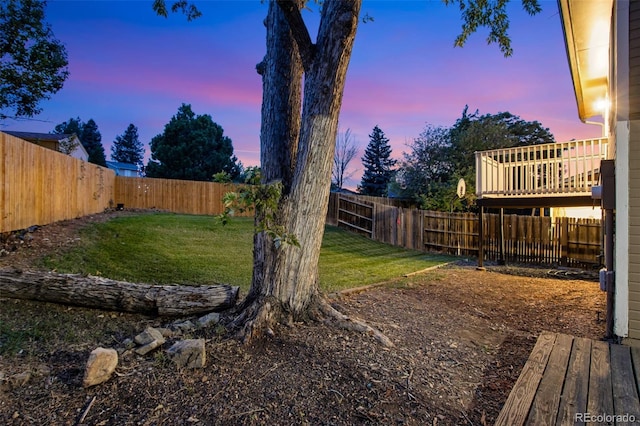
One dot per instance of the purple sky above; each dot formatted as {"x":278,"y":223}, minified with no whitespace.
{"x":129,"y":66}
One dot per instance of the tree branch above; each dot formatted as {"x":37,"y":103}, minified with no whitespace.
{"x":291,"y":11}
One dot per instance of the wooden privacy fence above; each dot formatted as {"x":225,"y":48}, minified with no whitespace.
{"x":177,"y":196}
{"x":524,"y":239}
{"x":40,"y":186}
{"x":533,"y":239}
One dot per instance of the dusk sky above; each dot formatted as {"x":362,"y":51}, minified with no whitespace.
{"x":128,"y":65}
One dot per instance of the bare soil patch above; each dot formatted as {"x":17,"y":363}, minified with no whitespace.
{"x":461,"y":338}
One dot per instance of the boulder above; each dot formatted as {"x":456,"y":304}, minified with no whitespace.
{"x":188,"y":353}
{"x":100,"y":366}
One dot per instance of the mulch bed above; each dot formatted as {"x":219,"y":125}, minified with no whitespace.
{"x":461,"y":338}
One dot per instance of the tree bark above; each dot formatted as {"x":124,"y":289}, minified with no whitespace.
{"x":102,"y":293}
{"x":300,"y":155}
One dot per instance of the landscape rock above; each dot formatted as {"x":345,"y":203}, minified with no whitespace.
{"x":209,"y":319}
{"x":166,"y":332}
{"x":143,"y":350}
{"x":100,"y":366}
{"x":184,"y":326}
{"x":148,"y":336}
{"x":188,"y":353}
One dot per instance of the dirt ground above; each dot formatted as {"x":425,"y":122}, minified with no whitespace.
{"x":461,"y":338}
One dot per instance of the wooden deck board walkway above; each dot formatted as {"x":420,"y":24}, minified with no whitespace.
{"x":575,"y":381}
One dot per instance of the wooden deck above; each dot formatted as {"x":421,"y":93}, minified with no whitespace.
{"x":559,"y":171}
{"x":570,"y":380}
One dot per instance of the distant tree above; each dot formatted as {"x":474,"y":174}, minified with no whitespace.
{"x":441,"y":156}
{"x":235,"y":169}
{"x":475,"y":132}
{"x":33,"y":64}
{"x":346,"y":150}
{"x":74,"y":125}
{"x":127,"y":147}
{"x":89,"y":136}
{"x":378,"y":165}
{"x":191,"y":147}
{"x":426,"y":166}
{"x":92,"y":141}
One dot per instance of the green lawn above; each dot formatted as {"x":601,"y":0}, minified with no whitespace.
{"x":181,"y":249}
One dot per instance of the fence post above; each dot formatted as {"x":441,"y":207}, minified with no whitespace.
{"x":564,"y":241}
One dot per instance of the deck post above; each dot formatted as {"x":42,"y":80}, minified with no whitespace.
{"x":481,"y":238}
{"x":501,"y":261}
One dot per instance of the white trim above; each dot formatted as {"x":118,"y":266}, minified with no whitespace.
{"x":619,"y":54}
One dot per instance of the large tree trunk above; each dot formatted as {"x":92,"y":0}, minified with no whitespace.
{"x":102,"y":293}
{"x":285,"y":281}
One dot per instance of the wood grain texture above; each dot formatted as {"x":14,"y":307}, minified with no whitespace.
{"x":102,"y":293}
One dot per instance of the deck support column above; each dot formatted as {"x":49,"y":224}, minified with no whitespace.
{"x":481,"y":238}
{"x":501,"y":261}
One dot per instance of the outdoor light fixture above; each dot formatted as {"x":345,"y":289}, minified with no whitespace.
{"x":602,"y":105}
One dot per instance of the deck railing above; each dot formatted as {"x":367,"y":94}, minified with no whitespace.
{"x":561,"y":168}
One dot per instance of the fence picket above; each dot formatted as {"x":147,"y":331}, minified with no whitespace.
{"x":527,"y":239}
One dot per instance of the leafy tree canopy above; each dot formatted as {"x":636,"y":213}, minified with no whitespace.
{"x":191,"y":147}
{"x":127,"y":147}
{"x":491,"y":14}
{"x":439,"y":157}
{"x":378,"y":165}
{"x":88,"y":134}
{"x":33,"y":64}
{"x":74,"y":125}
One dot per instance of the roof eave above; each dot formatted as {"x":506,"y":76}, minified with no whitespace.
{"x":586,"y":28}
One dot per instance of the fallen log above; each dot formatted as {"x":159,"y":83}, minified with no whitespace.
{"x":103,"y":293}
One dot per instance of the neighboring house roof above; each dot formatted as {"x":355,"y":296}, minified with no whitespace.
{"x":56,"y":138}
{"x":587,"y":29}
{"x":122,"y":166}
{"x":33,"y":136}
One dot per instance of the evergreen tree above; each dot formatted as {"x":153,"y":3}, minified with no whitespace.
{"x":92,"y":141}
{"x":191,"y":147}
{"x":378,"y":165}
{"x":127,"y":148}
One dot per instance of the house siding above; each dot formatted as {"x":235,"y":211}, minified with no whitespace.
{"x":634,"y":219}
{"x":634,"y":60}
{"x":633,"y":166}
